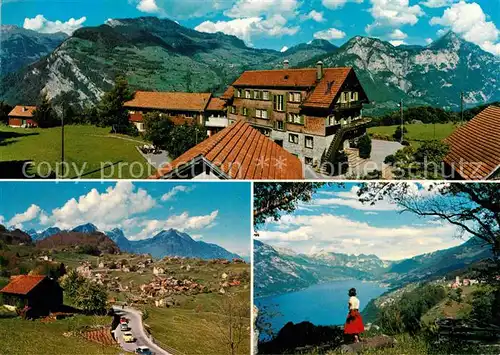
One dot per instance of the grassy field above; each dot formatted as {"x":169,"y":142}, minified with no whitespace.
{"x":417,"y":133}
{"x":34,"y":337}
{"x":91,"y":152}
{"x":194,"y":326}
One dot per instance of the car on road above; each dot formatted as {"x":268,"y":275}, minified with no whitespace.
{"x":143,"y":350}
{"x":123,"y":320}
{"x":124,"y":327}
{"x":128,"y":337}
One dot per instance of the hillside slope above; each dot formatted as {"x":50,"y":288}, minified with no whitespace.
{"x":154,"y":54}
{"x":432,"y":75}
{"x":20,"y":47}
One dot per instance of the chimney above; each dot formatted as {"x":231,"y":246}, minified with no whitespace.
{"x":319,"y":70}
{"x":286,"y":64}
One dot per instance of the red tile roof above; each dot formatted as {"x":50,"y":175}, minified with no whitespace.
{"x":327,"y":89}
{"x":175,"y":101}
{"x":228,"y":94}
{"x":324,"y":91}
{"x":303,"y":78}
{"x":475,"y":147}
{"x":22,"y":284}
{"x":23,"y":111}
{"x":216,"y":104}
{"x":242,"y":152}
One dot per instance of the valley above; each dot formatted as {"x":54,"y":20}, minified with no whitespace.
{"x":178,"y":296}
{"x":282,"y":272}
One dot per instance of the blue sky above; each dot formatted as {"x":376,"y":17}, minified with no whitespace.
{"x":214,"y":213}
{"x":335,"y":221}
{"x":279,"y":24}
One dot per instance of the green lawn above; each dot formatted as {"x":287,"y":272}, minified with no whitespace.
{"x":416,"y":132}
{"x":195,"y":326}
{"x":91,"y":152}
{"x":34,"y":337}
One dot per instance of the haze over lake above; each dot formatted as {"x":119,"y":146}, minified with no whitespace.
{"x":323,"y":304}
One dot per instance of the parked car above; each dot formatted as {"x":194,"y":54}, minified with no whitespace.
{"x":123,"y":320}
{"x":124,"y":327}
{"x":143,"y":350}
{"x":128,"y":337}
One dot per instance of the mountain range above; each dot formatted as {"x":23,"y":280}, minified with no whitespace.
{"x":20,"y":47}
{"x":159,"y":54}
{"x":166,"y":243}
{"x":282,"y":270}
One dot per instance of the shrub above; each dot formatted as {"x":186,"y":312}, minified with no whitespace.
{"x":398,"y":134}
{"x":365,"y":146}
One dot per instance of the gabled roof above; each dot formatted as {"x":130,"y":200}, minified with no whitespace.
{"x":175,"y":101}
{"x":22,"y":284}
{"x":323,"y":92}
{"x":23,"y":111}
{"x":475,"y":147}
{"x":327,"y":89}
{"x":240,"y":152}
{"x":216,"y":104}
{"x":303,"y":78}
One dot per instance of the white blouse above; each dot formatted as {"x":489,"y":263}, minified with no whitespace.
{"x":353,"y":303}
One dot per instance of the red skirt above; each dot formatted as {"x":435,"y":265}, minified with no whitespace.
{"x":354,"y":323}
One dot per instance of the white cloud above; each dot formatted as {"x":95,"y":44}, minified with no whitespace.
{"x":397,"y":43}
{"x":351,"y":199}
{"x":437,"y":3}
{"x":2,"y":219}
{"x":30,"y":214}
{"x":148,"y":6}
{"x":106,"y":210}
{"x":40,"y":24}
{"x":341,"y":234}
{"x":337,"y":4}
{"x":176,"y":190}
{"x":428,"y":40}
{"x":393,"y":13}
{"x":398,"y":34}
{"x":176,"y":9}
{"x":314,"y":15}
{"x":470,"y":21}
{"x":330,"y":34}
{"x":258,"y":8}
{"x":284,"y":49}
{"x":247,"y":28}
{"x":182,"y":222}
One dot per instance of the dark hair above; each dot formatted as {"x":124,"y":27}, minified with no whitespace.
{"x":352,"y":292}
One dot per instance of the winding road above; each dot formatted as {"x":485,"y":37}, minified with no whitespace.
{"x":137,"y":328}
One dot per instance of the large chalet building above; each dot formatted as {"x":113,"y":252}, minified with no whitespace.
{"x":312,"y":113}
{"x":182,"y":107}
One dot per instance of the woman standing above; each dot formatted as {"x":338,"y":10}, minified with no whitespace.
{"x":354,"y":323}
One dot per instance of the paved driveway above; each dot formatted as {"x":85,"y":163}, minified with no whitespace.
{"x":137,"y":329}
{"x":156,"y":160}
{"x":381,"y":149}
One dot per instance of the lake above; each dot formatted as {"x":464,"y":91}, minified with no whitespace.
{"x":323,"y":304}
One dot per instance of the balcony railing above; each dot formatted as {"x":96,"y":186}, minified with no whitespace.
{"x":348,"y":105}
{"x":218,"y":122}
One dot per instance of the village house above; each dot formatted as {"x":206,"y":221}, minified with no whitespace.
{"x":22,"y":116}
{"x":474,"y":149}
{"x":39,"y":293}
{"x":312,"y":113}
{"x":181,"y":107}
{"x":237,"y":152}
